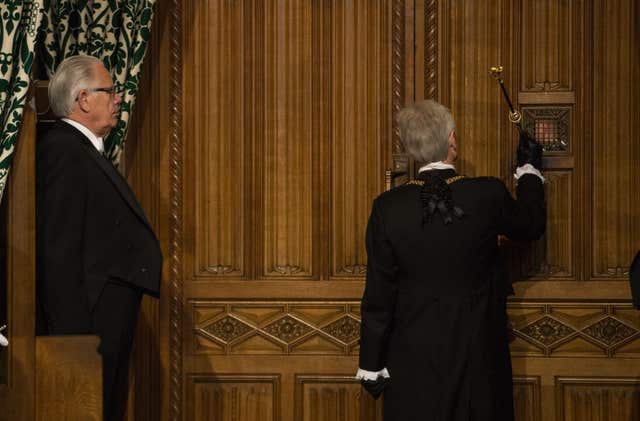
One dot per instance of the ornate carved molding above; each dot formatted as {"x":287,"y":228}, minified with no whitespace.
{"x":431,"y":50}
{"x":219,"y":269}
{"x":313,"y":328}
{"x":353,"y":270}
{"x":287,"y":270}
{"x":398,"y":68}
{"x":175,"y":214}
{"x":323,"y":327}
{"x":574,"y":329}
{"x":617,"y":272}
{"x":547,"y":331}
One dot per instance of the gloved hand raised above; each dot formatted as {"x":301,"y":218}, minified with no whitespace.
{"x":529,"y":151}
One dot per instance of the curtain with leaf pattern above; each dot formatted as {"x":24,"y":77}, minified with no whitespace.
{"x":115,"y":31}
{"x":19,"y":20}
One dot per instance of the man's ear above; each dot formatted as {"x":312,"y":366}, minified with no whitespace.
{"x":83,"y":101}
{"x":452,"y":137}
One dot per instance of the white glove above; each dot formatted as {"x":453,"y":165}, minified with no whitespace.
{"x":3,"y":341}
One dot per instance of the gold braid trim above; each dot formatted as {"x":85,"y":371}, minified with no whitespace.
{"x":448,"y":180}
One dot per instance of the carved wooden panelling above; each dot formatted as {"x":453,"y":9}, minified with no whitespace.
{"x":616,"y":152}
{"x":547,"y":45}
{"x":475,"y":39}
{"x":552,"y":255}
{"x":316,"y":328}
{"x":555,"y":251}
{"x":233,"y":397}
{"x":219,"y":133}
{"x":331,"y":398}
{"x":526,"y":398}
{"x":289,"y":182}
{"x":598,"y":399}
{"x":312,"y":328}
{"x":360,"y":98}
{"x":575,"y":330}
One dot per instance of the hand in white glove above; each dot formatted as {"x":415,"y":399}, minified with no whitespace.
{"x":3,"y":341}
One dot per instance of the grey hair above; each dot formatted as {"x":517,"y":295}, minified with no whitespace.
{"x":73,"y":75}
{"x":424,"y":130}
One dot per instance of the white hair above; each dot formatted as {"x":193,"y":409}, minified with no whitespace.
{"x":73,"y":75}
{"x":424,"y":130}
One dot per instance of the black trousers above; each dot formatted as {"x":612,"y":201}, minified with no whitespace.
{"x":113,"y":319}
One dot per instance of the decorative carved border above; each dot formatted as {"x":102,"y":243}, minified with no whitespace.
{"x":431,"y":50}
{"x":175,"y":215}
{"x":283,"y":328}
{"x":398,"y":69}
{"x":324,"y":327}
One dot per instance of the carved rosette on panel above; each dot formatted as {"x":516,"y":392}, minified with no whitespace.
{"x":580,"y":329}
{"x":227,"y":328}
{"x":610,"y":331}
{"x":547,"y":331}
{"x":287,"y":329}
{"x":346,"y":329}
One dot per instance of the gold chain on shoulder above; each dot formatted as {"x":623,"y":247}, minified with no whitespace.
{"x":448,"y":180}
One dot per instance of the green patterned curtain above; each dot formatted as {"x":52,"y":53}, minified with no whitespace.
{"x":18,"y":30}
{"x":115,"y":31}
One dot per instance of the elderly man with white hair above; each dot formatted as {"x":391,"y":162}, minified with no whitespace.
{"x":434,"y":327}
{"x":96,"y":252}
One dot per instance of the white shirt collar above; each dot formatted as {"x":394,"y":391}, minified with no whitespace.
{"x":95,"y":140}
{"x":437,"y":166}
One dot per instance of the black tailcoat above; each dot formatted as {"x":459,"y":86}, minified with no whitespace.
{"x":91,"y":232}
{"x":433,"y":311}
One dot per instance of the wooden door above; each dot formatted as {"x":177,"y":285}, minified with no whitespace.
{"x":285,"y":136}
{"x":572,"y":67}
{"x":263,"y":132}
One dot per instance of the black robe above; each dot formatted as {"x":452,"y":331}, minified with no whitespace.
{"x":433,"y":311}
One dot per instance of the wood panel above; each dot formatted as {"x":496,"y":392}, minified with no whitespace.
{"x":575,"y":329}
{"x":288,"y":180}
{"x":68,"y":378}
{"x":234,"y":397}
{"x":275,"y":327}
{"x":327,"y":398}
{"x":526,"y":398}
{"x":18,"y":393}
{"x":360,"y":125}
{"x":218,"y":48}
{"x":615,"y":230}
{"x":547,"y":45}
{"x":145,"y":167}
{"x":475,"y":38}
{"x":598,"y":399}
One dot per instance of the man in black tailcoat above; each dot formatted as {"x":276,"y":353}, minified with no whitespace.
{"x":96,"y":251}
{"x":434,"y":326}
